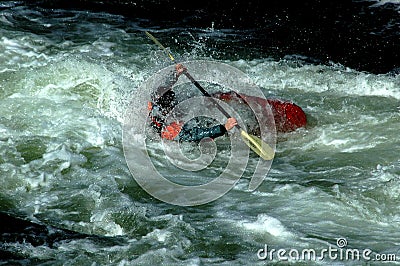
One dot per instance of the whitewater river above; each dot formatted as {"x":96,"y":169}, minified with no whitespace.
{"x":66,"y":78}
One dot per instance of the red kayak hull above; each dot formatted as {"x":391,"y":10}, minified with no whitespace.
{"x":287,"y":115}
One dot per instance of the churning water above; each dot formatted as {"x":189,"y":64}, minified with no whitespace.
{"x":66,"y":78}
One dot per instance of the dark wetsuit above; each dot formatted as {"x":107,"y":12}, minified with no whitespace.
{"x":163,"y":101}
{"x":190,"y":133}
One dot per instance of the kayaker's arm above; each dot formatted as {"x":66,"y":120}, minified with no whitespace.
{"x":198,"y":133}
{"x":189,"y":133}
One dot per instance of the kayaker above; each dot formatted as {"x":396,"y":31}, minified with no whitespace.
{"x":163,"y":101}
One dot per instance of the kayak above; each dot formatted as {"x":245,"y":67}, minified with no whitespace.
{"x":287,"y":115}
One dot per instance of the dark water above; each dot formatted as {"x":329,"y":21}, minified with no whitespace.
{"x":362,"y":35}
{"x":68,"y":70}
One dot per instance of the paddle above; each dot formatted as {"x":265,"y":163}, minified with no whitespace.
{"x":255,"y":143}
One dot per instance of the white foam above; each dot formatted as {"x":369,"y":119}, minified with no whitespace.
{"x":63,"y":154}
{"x":384,"y":2}
{"x":23,"y":52}
{"x":159,"y":235}
{"x":101,"y":223}
{"x":267,"y":224}
{"x":104,"y":48}
{"x":281,"y":75}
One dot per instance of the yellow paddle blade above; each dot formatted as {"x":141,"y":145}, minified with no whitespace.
{"x":159,"y":44}
{"x":258,"y":146}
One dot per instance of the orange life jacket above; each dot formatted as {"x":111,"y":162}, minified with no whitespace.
{"x":171,"y":131}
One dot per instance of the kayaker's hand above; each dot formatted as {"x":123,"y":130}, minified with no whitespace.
{"x":179,"y":69}
{"x":230,"y":123}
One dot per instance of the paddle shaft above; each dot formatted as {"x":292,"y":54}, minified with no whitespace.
{"x":205,"y":93}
